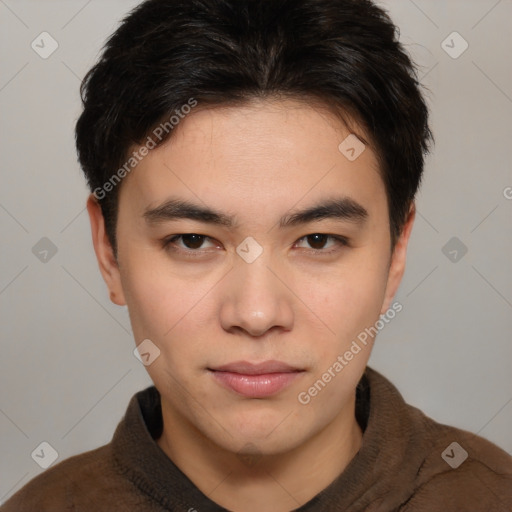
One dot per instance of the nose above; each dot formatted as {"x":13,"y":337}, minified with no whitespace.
{"x":255,"y":300}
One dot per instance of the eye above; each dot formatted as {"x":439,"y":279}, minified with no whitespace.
{"x":188,"y":242}
{"x":319,"y":242}
{"x":195,"y":244}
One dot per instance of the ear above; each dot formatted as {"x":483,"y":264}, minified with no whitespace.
{"x":104,"y":252}
{"x":398,"y":258}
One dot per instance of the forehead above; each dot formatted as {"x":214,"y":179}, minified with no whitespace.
{"x":271,"y":124}
{"x":257,"y":154}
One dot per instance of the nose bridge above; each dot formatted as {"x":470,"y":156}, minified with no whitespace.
{"x":256,"y":300}
{"x":255,"y":281}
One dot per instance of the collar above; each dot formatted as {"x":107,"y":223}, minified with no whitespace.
{"x":383,"y":471}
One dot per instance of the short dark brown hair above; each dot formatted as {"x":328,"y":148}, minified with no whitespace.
{"x":344,"y":53}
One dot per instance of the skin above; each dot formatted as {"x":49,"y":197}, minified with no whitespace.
{"x":257,"y":162}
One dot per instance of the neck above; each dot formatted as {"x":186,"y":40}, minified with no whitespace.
{"x":254,"y":482}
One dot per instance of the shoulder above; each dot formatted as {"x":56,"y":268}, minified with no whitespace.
{"x":428,"y":466}
{"x":88,"y":481}
{"x":461,"y":471}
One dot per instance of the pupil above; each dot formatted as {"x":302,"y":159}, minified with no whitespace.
{"x":193,"y":241}
{"x":317,"y":241}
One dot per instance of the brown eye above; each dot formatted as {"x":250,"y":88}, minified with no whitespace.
{"x":323,"y":243}
{"x":317,"y":240}
{"x":192,"y":241}
{"x":189,"y":243}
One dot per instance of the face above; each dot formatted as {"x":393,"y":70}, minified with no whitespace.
{"x":252,"y":253}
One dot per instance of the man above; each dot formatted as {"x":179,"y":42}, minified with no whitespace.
{"x":253,"y":166}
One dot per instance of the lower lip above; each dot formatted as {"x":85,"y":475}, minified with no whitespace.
{"x":256,"y":386}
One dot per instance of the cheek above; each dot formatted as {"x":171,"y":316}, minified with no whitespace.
{"x":167,"y":309}
{"x":159,"y":311}
{"x":348,"y":300}
{"x":156,"y":300}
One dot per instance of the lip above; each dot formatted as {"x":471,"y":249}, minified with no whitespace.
{"x":256,"y":380}
{"x":247,"y":368}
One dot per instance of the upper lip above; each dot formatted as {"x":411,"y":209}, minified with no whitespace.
{"x":247,"y":368}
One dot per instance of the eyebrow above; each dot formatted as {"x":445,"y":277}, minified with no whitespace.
{"x":343,"y":208}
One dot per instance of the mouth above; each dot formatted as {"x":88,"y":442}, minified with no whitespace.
{"x":258,"y":380}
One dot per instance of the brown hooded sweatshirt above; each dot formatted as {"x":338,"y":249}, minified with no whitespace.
{"x":407,"y":462}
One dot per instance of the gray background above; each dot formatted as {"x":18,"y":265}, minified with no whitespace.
{"x":67,"y":365}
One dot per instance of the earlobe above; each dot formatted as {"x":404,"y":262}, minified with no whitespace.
{"x":398,"y":259}
{"x":107,"y":262}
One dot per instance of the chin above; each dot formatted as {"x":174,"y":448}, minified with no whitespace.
{"x":261,"y":447}
{"x":271,"y":437}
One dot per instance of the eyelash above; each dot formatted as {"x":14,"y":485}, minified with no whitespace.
{"x":168,"y":244}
